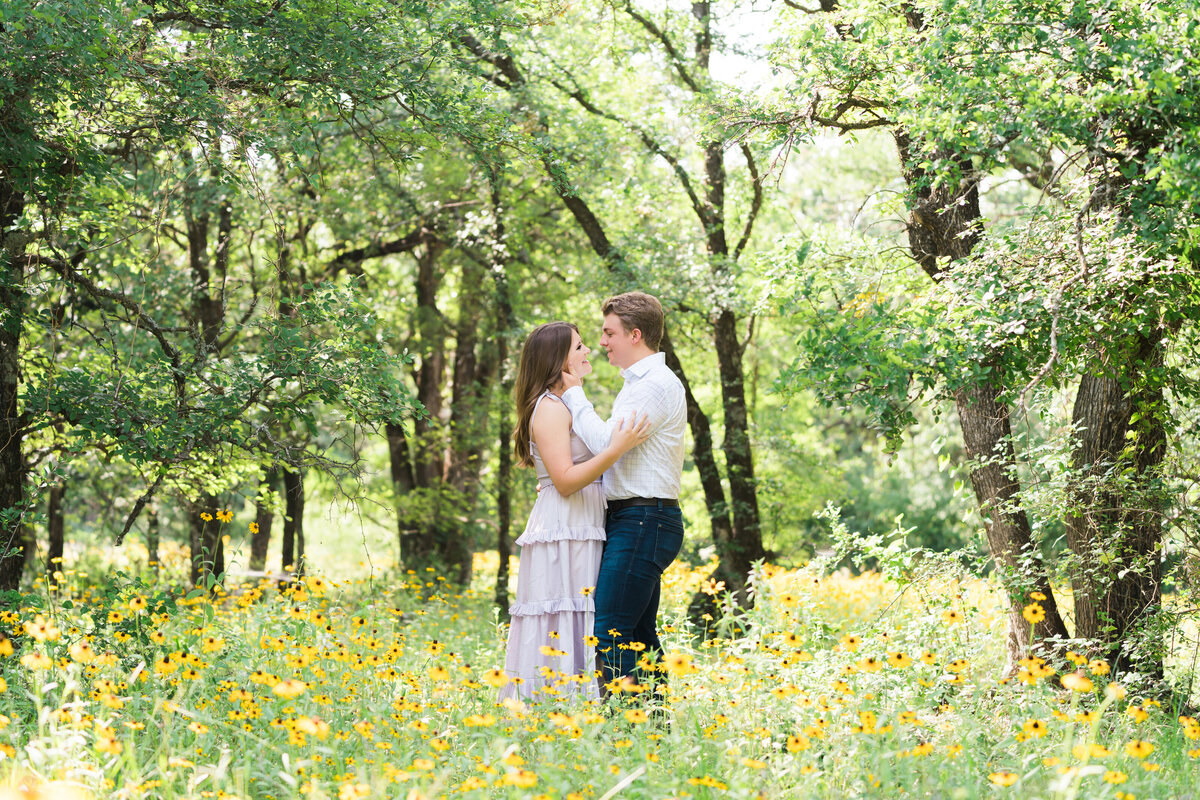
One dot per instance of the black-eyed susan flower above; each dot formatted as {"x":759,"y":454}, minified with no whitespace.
{"x":82,"y":652}
{"x":40,"y":630}
{"x":290,"y":688}
{"x":106,"y":742}
{"x":496,"y":678}
{"x":1139,"y":748}
{"x":1004,"y":778}
{"x":678,"y":664}
{"x":798,"y":743}
{"x":1115,"y":777}
{"x":1077,"y":682}
{"x":1033,"y":613}
{"x":1191,"y":727}
{"x":354,"y":791}
{"x":37,"y":660}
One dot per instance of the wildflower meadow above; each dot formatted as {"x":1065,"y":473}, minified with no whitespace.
{"x":833,"y":685}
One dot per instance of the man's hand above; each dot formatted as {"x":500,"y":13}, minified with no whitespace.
{"x":570,"y":379}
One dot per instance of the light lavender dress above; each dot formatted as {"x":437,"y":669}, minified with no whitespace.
{"x":560,"y":558}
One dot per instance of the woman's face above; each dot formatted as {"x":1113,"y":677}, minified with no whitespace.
{"x":577,"y":357}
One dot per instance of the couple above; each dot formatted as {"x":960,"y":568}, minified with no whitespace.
{"x":594,"y":550}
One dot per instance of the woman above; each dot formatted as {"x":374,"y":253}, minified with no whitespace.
{"x":549,"y":650}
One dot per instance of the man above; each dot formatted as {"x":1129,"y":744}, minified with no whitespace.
{"x":644,"y":523}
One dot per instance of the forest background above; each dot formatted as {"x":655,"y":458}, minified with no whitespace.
{"x":932,"y":263}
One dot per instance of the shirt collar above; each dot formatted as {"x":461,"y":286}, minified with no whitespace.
{"x":639,"y":369}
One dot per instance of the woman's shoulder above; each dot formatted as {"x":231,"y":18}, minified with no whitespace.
{"x":552,"y":407}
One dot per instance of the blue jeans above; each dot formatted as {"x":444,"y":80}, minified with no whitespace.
{"x":642,"y":542}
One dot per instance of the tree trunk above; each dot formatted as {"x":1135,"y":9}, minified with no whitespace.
{"x":423,"y":527}
{"x":292,"y":557}
{"x":506,"y":323}
{"x":503,"y":506}
{"x":943,"y":223}
{"x":469,"y":432}
{"x":428,"y":455}
{"x":54,"y":528}
{"x":987,"y":437}
{"x":1115,"y":534}
{"x":403,"y":482}
{"x":208,"y":551}
{"x":264,"y":518}
{"x":152,"y":537}
{"x":744,"y":546}
{"x":13,"y":302}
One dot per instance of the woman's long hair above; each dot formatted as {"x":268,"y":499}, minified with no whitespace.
{"x":543,"y":358}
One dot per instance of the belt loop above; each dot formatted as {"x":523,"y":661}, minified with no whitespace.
{"x":660,"y":504}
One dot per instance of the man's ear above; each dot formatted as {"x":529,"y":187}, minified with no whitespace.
{"x":635,"y":335}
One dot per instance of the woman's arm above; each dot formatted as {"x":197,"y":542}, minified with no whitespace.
{"x":552,"y":434}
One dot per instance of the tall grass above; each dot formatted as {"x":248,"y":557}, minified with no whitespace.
{"x":833,"y":685}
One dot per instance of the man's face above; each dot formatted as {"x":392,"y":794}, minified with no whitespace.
{"x":617,"y":343}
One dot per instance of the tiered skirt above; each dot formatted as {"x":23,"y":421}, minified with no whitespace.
{"x":548,"y":653}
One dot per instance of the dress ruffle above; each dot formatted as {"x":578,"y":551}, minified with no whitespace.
{"x":579,"y":605}
{"x":546,"y":535}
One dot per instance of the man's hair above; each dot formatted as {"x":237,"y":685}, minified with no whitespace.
{"x":641,"y":311}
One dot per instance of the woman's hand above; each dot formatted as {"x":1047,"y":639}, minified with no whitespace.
{"x":570,"y":380}
{"x":629,"y":434}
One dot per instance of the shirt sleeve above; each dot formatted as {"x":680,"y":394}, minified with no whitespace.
{"x":587,"y":424}
{"x":649,"y":397}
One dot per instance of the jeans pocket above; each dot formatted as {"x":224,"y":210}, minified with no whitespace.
{"x":668,"y":543}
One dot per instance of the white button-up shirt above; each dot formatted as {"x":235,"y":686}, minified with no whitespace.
{"x":655,"y":467}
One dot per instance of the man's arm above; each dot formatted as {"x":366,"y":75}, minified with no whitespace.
{"x":645,"y":397}
{"x":587,"y":424}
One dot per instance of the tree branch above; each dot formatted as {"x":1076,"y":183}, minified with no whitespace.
{"x":648,"y":141}
{"x":668,"y":45}
{"x":755,"y":204}
{"x":358,"y":255}
{"x":68,"y":272}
